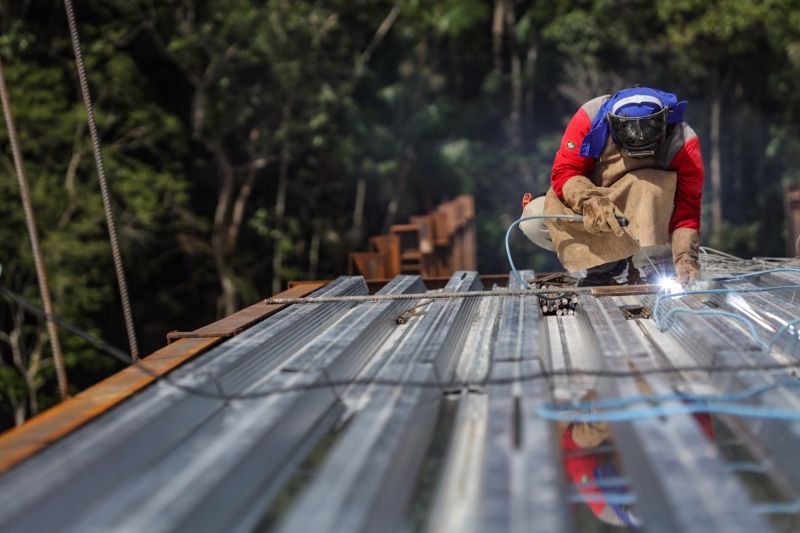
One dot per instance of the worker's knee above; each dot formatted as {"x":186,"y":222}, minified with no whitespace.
{"x":536,"y":230}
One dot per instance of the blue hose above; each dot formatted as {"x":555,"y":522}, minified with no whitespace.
{"x":759,"y":273}
{"x":699,"y":403}
{"x":523,"y":283}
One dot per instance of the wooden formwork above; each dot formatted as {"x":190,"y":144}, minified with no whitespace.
{"x":432,"y":245}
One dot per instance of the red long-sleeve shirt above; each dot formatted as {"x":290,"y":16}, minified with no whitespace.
{"x":687,"y":163}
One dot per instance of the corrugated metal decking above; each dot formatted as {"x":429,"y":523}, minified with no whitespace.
{"x":374,"y":428}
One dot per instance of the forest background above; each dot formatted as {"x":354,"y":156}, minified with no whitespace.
{"x":252,"y":142}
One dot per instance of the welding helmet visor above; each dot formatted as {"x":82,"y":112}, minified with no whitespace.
{"x":639,"y":136}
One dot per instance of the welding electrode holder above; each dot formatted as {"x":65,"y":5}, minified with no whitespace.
{"x":623,"y":222}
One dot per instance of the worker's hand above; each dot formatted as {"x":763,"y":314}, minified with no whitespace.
{"x":599,"y":216}
{"x":577,"y":190}
{"x":685,"y":252}
{"x":687,"y":271}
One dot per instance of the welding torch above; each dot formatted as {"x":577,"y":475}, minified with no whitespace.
{"x":623,"y":222}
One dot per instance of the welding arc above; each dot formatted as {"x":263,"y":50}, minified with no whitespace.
{"x":452,"y":386}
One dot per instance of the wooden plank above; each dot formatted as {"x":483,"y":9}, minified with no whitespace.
{"x":19,"y":443}
{"x":425,"y":224}
{"x":389,"y":247}
{"x":441,"y":235}
{"x":367,"y":264}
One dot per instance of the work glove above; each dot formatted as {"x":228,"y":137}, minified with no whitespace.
{"x":584,"y":198}
{"x":590,"y":434}
{"x":685,"y":250}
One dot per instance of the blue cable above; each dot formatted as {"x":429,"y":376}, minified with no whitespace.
{"x":780,"y":332}
{"x":663,"y":323}
{"x":627,"y":415}
{"x":718,"y":291}
{"x":777,"y":508}
{"x":566,"y":412}
{"x":677,"y":396}
{"x":516,"y":223}
{"x":759,"y":273}
{"x":610,"y":499}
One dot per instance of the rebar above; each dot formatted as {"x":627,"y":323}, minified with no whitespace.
{"x":101,"y":176}
{"x":30,"y":222}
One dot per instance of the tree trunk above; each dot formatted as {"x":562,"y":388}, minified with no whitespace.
{"x":404,"y":169}
{"x":313,"y":250}
{"x":716,"y":168}
{"x":19,"y":410}
{"x":240,"y":205}
{"x":498,"y":19}
{"x":530,"y":73}
{"x":358,"y":210}
{"x":226,"y":304}
{"x":280,"y":214}
{"x":380,"y":34}
{"x":515,"y":115}
{"x":35,"y":364}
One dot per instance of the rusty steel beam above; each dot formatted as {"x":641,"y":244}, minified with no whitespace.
{"x":623,"y":290}
{"x":243,"y":319}
{"x":19,"y":443}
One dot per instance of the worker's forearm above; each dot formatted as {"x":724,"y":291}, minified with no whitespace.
{"x":685,"y":254}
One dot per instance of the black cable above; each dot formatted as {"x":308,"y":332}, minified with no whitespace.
{"x":41,"y":313}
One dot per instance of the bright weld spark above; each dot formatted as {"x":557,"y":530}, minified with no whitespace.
{"x":669,"y":285}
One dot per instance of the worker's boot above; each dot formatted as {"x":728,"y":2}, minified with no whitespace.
{"x":603,"y":274}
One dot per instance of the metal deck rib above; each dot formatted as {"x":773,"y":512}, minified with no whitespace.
{"x":521,"y":483}
{"x":383,"y":447}
{"x":670,"y":463}
{"x":409,"y":446}
{"x":456,"y":504}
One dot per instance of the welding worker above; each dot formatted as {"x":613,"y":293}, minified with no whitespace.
{"x":630,"y":155}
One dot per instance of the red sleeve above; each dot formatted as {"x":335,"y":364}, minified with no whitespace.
{"x":688,"y":163}
{"x":569,"y":162}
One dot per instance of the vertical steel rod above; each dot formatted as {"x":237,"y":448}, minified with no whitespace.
{"x":101,"y":175}
{"x":30,"y":221}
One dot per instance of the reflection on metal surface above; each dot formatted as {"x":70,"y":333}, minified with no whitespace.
{"x":595,"y":471}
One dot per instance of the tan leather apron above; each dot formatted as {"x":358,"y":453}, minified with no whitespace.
{"x":640,"y":192}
